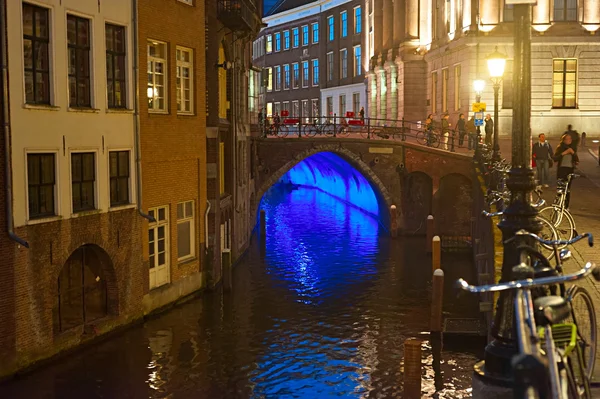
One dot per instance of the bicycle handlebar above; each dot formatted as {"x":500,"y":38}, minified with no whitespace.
{"x":491,"y":214}
{"x":572,"y":241}
{"x":589,"y":267}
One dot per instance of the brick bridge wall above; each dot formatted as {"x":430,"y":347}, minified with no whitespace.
{"x":417,"y":179}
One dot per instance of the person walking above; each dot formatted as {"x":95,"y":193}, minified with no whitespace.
{"x":489,"y":129}
{"x":445,"y":130}
{"x":566,"y":160}
{"x":361,"y":114}
{"x":542,"y":152}
{"x":472,"y":133}
{"x":461,"y":126}
{"x":574,"y":136}
{"x":583,"y":136}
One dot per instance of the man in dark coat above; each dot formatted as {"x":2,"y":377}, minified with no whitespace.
{"x":489,"y":129}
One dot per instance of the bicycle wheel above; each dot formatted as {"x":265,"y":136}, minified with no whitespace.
{"x":343,"y":131}
{"x":548,"y":233}
{"x":282,"y":131}
{"x":583,"y":315}
{"x":561,"y":219}
{"x":327,"y":129}
{"x":309,"y":131}
{"x":421,"y":138}
{"x":434,"y":140}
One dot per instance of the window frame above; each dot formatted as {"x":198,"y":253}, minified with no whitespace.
{"x":178,"y":86}
{"x":82,"y":180}
{"x":269,"y":41}
{"x":355,"y":103}
{"x":286,"y":77}
{"x":277,"y":40}
{"x":343,"y":63}
{"x":165,"y":74}
{"x":191,"y":219}
{"x":344,"y":23}
{"x":54,"y":184}
{"x":269,"y":79}
{"x":357,"y":70}
{"x":565,"y":11}
{"x":305,"y":35}
{"x":457,"y":79}
{"x":330,"y":66}
{"x":295,"y":75}
{"x":113,"y":55}
{"x":119,"y":178}
{"x":315,"y":32}
{"x":357,"y":20}
{"x":342,"y":105}
{"x":167,"y":247}
{"x":277,"y":69}
{"x":315,"y":72}
{"x":80,"y":51}
{"x":287,"y":40}
{"x":445,"y":78}
{"x":295,"y":37}
{"x":305,"y":74}
{"x":331,"y":28}
{"x":34,"y":70}
{"x":434,"y":80}
{"x":564,"y":73}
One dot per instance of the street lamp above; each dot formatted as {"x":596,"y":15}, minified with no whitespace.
{"x":496,"y":63}
{"x":478,"y":86}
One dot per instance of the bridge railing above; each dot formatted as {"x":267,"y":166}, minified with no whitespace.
{"x":431,"y":135}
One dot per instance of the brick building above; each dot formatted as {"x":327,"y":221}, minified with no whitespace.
{"x":231,"y":102}
{"x":172,"y":123}
{"x":425,"y":55}
{"x":311,"y":53}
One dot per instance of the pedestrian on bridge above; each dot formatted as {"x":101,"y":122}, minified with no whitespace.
{"x":462,"y":129}
{"x":489,"y":129}
{"x":542,"y":153}
{"x":445,"y":130}
{"x":566,"y":160}
{"x":472,"y":132}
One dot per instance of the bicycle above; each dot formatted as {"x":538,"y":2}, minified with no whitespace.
{"x":321,"y":128}
{"x":278,"y":130}
{"x":587,"y":337}
{"x":428,"y":138}
{"x":534,"y":376}
{"x":558,"y":213}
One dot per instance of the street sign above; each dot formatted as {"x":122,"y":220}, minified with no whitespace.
{"x":478,"y":118}
{"x":478,"y":122}
{"x":479,"y":107}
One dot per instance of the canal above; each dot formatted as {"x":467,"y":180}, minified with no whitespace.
{"x":322,"y":312}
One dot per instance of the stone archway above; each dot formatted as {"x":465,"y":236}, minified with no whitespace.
{"x":453,"y":205}
{"x":417,"y":201}
{"x":86,"y":289}
{"x":353,"y":159}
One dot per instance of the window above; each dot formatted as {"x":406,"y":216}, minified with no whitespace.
{"x":509,"y":13}
{"x":444,"y":90}
{"x":269,"y":72}
{"x":157,"y":76}
{"x":343,"y":63}
{"x":357,"y":20}
{"x":344,"y":23}
{"x":342,"y":105}
{"x":78,"y":40}
{"x":356,"y":103}
{"x":457,"y":87}
{"x":433,"y":92}
{"x":286,"y":40}
{"x":278,"y":41}
{"x":315,"y":107}
{"x":158,"y":247}
{"x":41,"y":183}
{"x":269,"y":109}
{"x":286,"y":106}
{"x":185,"y":230}
{"x":277,"y":108}
{"x":315,"y":66}
{"x":331,"y":27}
{"x":304,"y":73}
{"x":269,"y":44}
{"x":190,"y":2}
{"x":296,"y":77}
{"x":315,"y":32}
{"x":286,"y":77}
{"x":83,"y":180}
{"x":296,"y":37}
{"x":295,"y":109}
{"x":305,"y":37}
{"x":507,"y":86}
{"x":357,"y":61}
{"x":277,"y":78}
{"x":222,"y":78}
{"x":329,"y":106}
{"x":564,"y":83}
{"x":565,"y":10}
{"x":115,"y":66}
{"x":36,"y":39}
{"x":330,"y":66}
{"x":305,"y":111}
{"x":119,"y":177}
{"x":185,"y":80}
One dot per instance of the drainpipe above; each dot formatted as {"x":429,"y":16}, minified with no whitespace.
{"x":206,"y":223}
{"x":136,"y":119}
{"x":6,"y":128}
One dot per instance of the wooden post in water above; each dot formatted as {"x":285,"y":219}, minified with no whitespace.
{"x":412,"y":369}
{"x":436,"y":256}
{"x":437,"y":300}
{"x":394,"y":221}
{"x":429,"y":231}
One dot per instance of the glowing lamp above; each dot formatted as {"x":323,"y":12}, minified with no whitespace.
{"x":496,"y":63}
{"x":478,"y":85}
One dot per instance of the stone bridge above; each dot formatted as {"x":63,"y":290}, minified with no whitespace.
{"x":417,"y":179}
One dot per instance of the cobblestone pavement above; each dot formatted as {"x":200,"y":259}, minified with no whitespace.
{"x":585,"y":208}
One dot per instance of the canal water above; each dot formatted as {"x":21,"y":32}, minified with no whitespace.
{"x":322,"y":312}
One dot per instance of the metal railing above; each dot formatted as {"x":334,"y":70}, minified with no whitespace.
{"x":432,"y":135}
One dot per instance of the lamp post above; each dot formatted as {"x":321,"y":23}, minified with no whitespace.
{"x":478,"y":86}
{"x":496,"y":63}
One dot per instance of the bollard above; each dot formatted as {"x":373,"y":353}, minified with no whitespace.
{"x":412,"y":369}
{"x":437,"y":300}
{"x":429,"y":231}
{"x":394,"y":220}
{"x":436,"y":249}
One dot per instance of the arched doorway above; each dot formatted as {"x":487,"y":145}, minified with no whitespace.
{"x":83,"y":288}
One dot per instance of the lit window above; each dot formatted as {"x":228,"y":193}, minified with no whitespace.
{"x":185,"y":80}
{"x":444,"y":90}
{"x":357,"y":20}
{"x":296,"y":76}
{"x":305,"y":37}
{"x":269,"y":72}
{"x":286,"y":77}
{"x":185,"y":230}
{"x":277,"y":78}
{"x":357,"y":61}
{"x":277,"y":41}
{"x":157,"y":76}
{"x":304,"y":73}
{"x":331,"y":27}
{"x":286,"y":40}
{"x":315,"y":32}
{"x":564,"y":83}
{"x":269,"y":44}
{"x":315,"y":65}
{"x":296,"y":37}
{"x":344,"y":23}
{"x":457,"y":88}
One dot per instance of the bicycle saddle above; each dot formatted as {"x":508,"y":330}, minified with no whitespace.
{"x":550,"y":310}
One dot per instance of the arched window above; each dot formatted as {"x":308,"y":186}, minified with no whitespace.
{"x":82,"y":295}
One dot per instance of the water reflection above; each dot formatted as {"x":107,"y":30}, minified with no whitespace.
{"x":323,"y":313}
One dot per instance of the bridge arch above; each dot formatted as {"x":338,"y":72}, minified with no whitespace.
{"x":353,"y":159}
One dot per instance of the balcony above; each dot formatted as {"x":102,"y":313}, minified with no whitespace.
{"x":238,"y":15}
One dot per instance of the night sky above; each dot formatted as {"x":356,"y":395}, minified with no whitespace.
{"x":267,"y":4}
